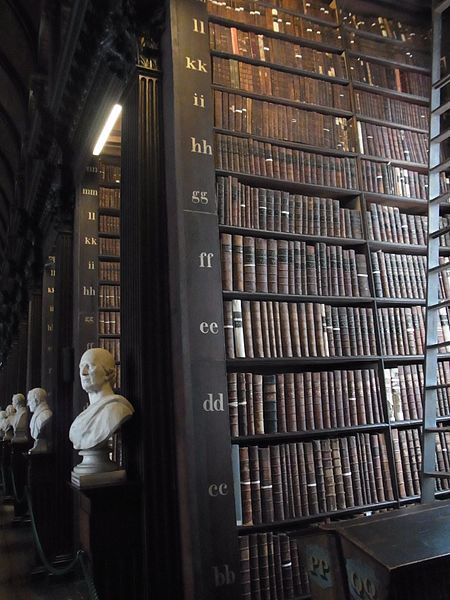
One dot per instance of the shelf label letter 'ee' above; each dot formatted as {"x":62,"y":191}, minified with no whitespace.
{"x":209,"y":328}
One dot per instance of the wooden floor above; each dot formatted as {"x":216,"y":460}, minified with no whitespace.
{"x":17,"y":560}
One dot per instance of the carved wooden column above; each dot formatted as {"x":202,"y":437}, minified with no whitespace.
{"x":149,"y":438}
{"x":34,"y":340}
{"x":62,"y":389}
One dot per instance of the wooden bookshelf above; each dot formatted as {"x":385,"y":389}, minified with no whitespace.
{"x":291,"y":212}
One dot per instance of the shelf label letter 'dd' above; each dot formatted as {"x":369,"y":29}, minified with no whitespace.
{"x":211,"y":404}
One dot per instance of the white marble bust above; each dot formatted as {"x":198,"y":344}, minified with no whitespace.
{"x":3,"y":423}
{"x":107,"y":411}
{"x":9,"y":421}
{"x":20,"y":420}
{"x":37,"y":403}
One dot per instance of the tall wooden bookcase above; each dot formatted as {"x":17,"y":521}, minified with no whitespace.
{"x":320,"y":152}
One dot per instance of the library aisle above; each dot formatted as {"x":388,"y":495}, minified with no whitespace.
{"x":17,"y":561}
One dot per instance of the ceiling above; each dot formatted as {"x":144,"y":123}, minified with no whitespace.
{"x":19,"y":30}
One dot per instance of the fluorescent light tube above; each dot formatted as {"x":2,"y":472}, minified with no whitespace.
{"x":110,"y":122}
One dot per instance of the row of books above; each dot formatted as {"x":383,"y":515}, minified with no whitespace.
{"x":287,"y":329}
{"x":271,"y":567}
{"x":109,"y":296}
{"x":385,"y":178}
{"x":265,"y":17}
{"x":276,"y":51}
{"x":404,"y":391}
{"x":389,"y":224}
{"x":288,"y":402}
{"x":377,"y":106}
{"x":109,"y":246}
{"x":109,"y":224}
{"x":109,"y":198}
{"x":277,"y":266}
{"x":112,"y":345}
{"x":241,"y":205}
{"x":289,"y":481}
{"x":319,"y":9}
{"x":109,"y":271}
{"x":275,"y":84}
{"x":408,"y":460}
{"x":402,"y":330}
{"x":386,"y":28}
{"x":399,"y":275}
{"x":108,"y":172}
{"x":109,"y":322}
{"x":245,"y":155}
{"x":404,"y":54}
{"x":392,"y":143}
{"x":238,"y":113}
{"x":406,"y":82}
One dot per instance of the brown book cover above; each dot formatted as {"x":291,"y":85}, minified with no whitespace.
{"x":238,"y":263}
{"x":328,"y":475}
{"x":233,"y":404}
{"x":246,"y":498}
{"x":303,"y":480}
{"x":242,"y":403}
{"x":257,"y":330}
{"x":244,"y":551}
{"x":277,"y":484}
{"x":266,"y":485}
{"x":250,"y":404}
{"x":254,"y":567}
{"x":229,"y":329}
{"x":261,"y":265}
{"x":313,"y":500}
{"x":249,"y":265}
{"x":264,"y":575}
{"x":247,"y":327}
{"x":355,"y":470}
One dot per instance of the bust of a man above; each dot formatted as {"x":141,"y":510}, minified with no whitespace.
{"x":9,"y":421}
{"x":20,"y":420}
{"x":107,"y":411}
{"x":37,"y":403}
{"x":3,"y":423}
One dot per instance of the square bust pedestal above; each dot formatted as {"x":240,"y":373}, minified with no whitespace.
{"x":98,"y":479}
{"x":109,"y":522}
{"x":41,"y":484}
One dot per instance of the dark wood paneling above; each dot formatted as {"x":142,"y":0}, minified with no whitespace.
{"x":148,"y":438}
{"x":34,"y":340}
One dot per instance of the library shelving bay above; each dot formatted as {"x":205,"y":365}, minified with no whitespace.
{"x":321,"y":152}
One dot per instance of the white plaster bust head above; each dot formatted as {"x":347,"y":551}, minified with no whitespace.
{"x":9,"y":420}
{"x":20,"y":419}
{"x":18,"y":401}
{"x":3,"y":422}
{"x":37,"y":403}
{"x":107,"y":411}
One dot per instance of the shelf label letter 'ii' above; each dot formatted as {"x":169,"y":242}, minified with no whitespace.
{"x":223,"y":576}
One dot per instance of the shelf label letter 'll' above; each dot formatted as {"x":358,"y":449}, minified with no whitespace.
{"x":199,"y":26}
{"x":195,"y":64}
{"x":201,"y":148}
{"x":209,"y":328}
{"x":223,"y":576}
{"x":220,"y":489}
{"x":205,"y":260}
{"x":211,"y":404}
